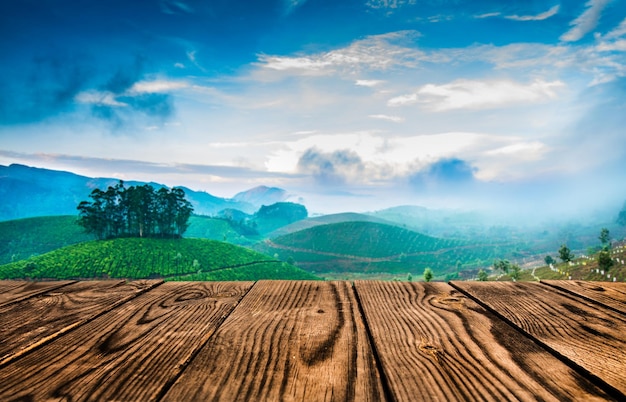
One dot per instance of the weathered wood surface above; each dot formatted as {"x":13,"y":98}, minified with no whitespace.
{"x":15,"y":291}
{"x":131,"y":353}
{"x":286,"y":341}
{"x":281,"y":340}
{"x":609,"y":294}
{"x":38,"y":320}
{"x":435,"y":344}
{"x":585,"y":333}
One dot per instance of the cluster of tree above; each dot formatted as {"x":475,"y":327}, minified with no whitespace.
{"x":136,"y":211}
{"x":604,"y":254}
{"x":508,"y":268}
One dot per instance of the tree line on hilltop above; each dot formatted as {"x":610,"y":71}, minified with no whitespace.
{"x":136,"y":211}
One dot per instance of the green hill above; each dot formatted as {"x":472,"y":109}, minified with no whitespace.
{"x":133,"y":258}
{"x":347,"y":249}
{"x":204,"y":227}
{"x":24,"y":238}
{"x":326,"y":220}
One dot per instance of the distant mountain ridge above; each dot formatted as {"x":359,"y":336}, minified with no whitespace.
{"x":29,"y":192}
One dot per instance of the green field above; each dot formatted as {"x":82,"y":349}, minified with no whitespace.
{"x":133,"y":258}
{"x":24,"y":238}
{"x":371,"y":248}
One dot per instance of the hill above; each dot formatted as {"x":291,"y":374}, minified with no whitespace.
{"x":345,"y":249}
{"x":223,"y":229}
{"x":325,"y":220}
{"x":27,"y":192}
{"x":23,"y":238}
{"x":173,"y":259}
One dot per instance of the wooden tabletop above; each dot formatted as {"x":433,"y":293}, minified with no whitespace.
{"x":312,"y":340}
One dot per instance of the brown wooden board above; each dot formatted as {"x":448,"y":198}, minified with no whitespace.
{"x":26,"y":289}
{"x":7,"y":285}
{"x":37,"y":320}
{"x":287,"y":340}
{"x":580,"y":332}
{"x":434,"y":344}
{"x":131,"y":353}
{"x":611,"y":295}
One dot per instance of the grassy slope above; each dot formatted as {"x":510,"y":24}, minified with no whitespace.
{"x":184,"y":259}
{"x":204,"y":227}
{"x":24,"y":238}
{"x":583,"y":268}
{"x":368,"y":247}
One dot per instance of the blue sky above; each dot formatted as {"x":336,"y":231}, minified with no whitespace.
{"x":352,"y":105}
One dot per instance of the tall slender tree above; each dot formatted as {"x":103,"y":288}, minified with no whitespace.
{"x":137,"y":211}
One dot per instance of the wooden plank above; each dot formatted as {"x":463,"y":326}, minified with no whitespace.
{"x":287,"y":340}
{"x":609,"y":294}
{"x":131,"y":353}
{"x":7,"y":285}
{"x":27,"y":289}
{"x":35,"y":321}
{"x":434,"y":344}
{"x":580,"y":332}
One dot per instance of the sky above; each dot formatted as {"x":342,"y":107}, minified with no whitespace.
{"x":349,"y":105}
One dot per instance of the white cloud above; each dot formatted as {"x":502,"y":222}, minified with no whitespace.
{"x":539,"y":17}
{"x":157,"y":86}
{"x":402,"y":100}
{"x":585,"y":22}
{"x":376,"y":52}
{"x":488,"y":15}
{"x":395,"y":119}
{"x":368,"y":83}
{"x":468,"y":94}
{"x":387,"y":158}
{"x":98,"y":98}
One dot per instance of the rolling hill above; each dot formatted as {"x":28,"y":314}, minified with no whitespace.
{"x":23,"y":238}
{"x":172,"y":259}
{"x":370,"y":248}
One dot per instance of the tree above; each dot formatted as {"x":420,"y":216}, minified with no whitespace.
{"x":502,"y":265}
{"x":428,"y":274}
{"x":605,"y":262}
{"x":135,"y":211}
{"x":549,"y":260}
{"x":565,"y":254}
{"x":515,"y":271}
{"x":482,"y":275}
{"x":604,"y":238}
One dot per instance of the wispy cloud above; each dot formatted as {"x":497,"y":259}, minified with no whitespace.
{"x":395,"y":119}
{"x":488,"y":15}
{"x":292,"y":5}
{"x":585,"y":22}
{"x":468,"y":94}
{"x":368,"y":83}
{"x":377,"y":52}
{"x":539,"y":17}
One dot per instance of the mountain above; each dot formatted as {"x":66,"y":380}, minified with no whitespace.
{"x":261,"y":195}
{"x":28,"y":192}
{"x":135,"y":258}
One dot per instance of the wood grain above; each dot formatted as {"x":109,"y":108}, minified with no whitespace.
{"x":131,"y":353}
{"x":582,"y":333}
{"x":609,"y":294}
{"x":434,"y":344}
{"x":37,"y":320}
{"x":26,"y":289}
{"x":286,"y":341}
